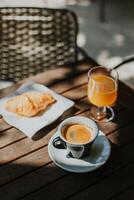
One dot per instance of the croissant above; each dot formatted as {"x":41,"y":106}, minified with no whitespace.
{"x":29,"y":103}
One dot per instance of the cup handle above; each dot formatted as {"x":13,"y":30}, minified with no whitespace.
{"x":59,"y":143}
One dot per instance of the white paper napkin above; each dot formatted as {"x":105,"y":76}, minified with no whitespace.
{"x":30,"y":126}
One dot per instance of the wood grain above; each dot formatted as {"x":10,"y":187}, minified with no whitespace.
{"x":119,"y":158}
{"x":25,"y":146}
{"x":127,"y":193}
{"x":78,"y":186}
{"x":81,"y":102}
{"x":38,"y":158}
{"x":26,"y":170}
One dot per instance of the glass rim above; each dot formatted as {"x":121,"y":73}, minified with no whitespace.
{"x":107,"y":69}
{"x":115,"y":79}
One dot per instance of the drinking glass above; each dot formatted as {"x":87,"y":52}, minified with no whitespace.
{"x":102,"y":93}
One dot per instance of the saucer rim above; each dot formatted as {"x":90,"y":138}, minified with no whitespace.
{"x":74,"y":171}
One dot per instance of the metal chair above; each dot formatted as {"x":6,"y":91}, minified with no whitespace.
{"x":35,"y":39}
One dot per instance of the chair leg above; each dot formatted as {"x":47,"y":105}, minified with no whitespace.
{"x":126,"y":60}
{"x":102,"y":11}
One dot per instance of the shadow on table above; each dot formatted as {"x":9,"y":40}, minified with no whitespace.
{"x":34,"y":174}
{"x":42,"y":133}
{"x":37,"y":176}
{"x":75,"y":69}
{"x":44,"y":179}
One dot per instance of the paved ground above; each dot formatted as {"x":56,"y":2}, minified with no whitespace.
{"x":112,"y":41}
{"x":108,"y":42}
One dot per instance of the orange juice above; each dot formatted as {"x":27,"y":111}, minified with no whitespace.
{"x":102,"y":90}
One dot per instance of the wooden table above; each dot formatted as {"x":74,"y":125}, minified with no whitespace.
{"x":27,"y":172}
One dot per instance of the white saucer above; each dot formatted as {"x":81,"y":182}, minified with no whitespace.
{"x":99,"y":154}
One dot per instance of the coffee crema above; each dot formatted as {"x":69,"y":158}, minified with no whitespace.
{"x":78,"y":134}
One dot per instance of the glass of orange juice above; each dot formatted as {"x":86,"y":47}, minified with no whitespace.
{"x":102,"y":92}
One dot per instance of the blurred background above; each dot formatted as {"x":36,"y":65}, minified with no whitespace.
{"x":109,"y":41}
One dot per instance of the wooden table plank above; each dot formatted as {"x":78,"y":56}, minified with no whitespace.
{"x":100,"y":182}
{"x":7,"y":137}
{"x":25,"y":146}
{"x":90,"y":179}
{"x":128,"y":193}
{"x":81,"y":103}
{"x":54,"y":78}
{"x":119,"y":158}
{"x":34,"y":161}
{"x":32,"y":181}
{"x":3,"y":126}
{"x":10,"y":137}
{"x":23,"y":158}
{"x":118,"y":181}
{"x":79,"y":91}
{"x":126,"y":96}
{"x":121,"y":119}
{"x":26,"y":165}
{"x":57,"y":78}
{"x":47,"y":78}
